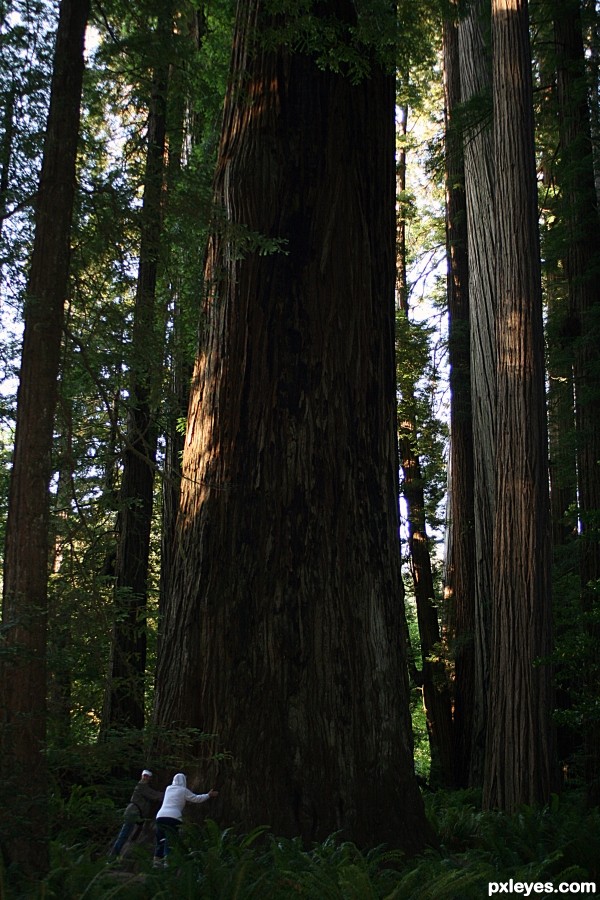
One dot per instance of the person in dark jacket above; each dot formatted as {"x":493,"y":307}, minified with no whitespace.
{"x":138,"y":809}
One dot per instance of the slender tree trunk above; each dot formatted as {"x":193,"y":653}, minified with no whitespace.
{"x":475,"y":73}
{"x":125,"y":695}
{"x":519,"y":759}
{"x":582,"y":258}
{"x":432,"y":677}
{"x":23,"y":684}
{"x":285,"y":624}
{"x":459,"y":593}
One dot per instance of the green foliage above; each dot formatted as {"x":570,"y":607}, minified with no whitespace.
{"x":93,"y":392}
{"x":560,"y":843}
{"x":85,"y":813}
{"x":26,"y":49}
{"x":575,"y":664}
{"x":345,"y":43}
{"x":120,"y":756}
{"x":419,"y":42}
{"x":243,"y":241}
{"x":421,"y":750}
{"x":418,"y":378}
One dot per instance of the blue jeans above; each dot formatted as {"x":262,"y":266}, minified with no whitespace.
{"x":165,"y":828}
{"x":124,"y":833}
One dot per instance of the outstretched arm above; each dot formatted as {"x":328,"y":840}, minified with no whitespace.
{"x":200,"y":798}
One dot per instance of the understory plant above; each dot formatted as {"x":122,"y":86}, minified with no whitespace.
{"x":559,"y":843}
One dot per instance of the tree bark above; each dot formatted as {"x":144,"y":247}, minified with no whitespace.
{"x":284,"y":634}
{"x":519,"y":759}
{"x":459,"y":588}
{"x":185,"y":130}
{"x":24,"y":616}
{"x":475,"y":73}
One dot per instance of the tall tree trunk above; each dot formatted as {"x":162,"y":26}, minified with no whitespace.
{"x":475,"y":73}
{"x":432,"y":677}
{"x":179,"y":360}
{"x":24,"y":616}
{"x":125,"y":694}
{"x":284,"y":634}
{"x":519,"y":755}
{"x":582,"y":258}
{"x":459,"y":591}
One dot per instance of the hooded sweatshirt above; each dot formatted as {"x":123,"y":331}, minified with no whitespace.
{"x":176,"y":796}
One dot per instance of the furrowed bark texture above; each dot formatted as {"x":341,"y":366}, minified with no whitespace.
{"x":474,"y":49}
{"x":459,"y":588}
{"x":519,"y":746}
{"x":23,"y":682}
{"x":284,"y":634}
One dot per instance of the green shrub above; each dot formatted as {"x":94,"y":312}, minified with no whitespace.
{"x":558,"y":843}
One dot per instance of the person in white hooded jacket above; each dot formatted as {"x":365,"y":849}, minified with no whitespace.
{"x":170,"y":815}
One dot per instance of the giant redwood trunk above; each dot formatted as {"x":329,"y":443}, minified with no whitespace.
{"x":519,"y":745}
{"x":23,"y":684}
{"x":283,"y":634}
{"x":459,"y":587}
{"x":475,"y":80}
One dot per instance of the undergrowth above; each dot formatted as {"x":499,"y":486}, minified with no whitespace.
{"x":551,"y":846}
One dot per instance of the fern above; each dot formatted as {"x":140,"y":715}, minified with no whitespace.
{"x":558,"y":843}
